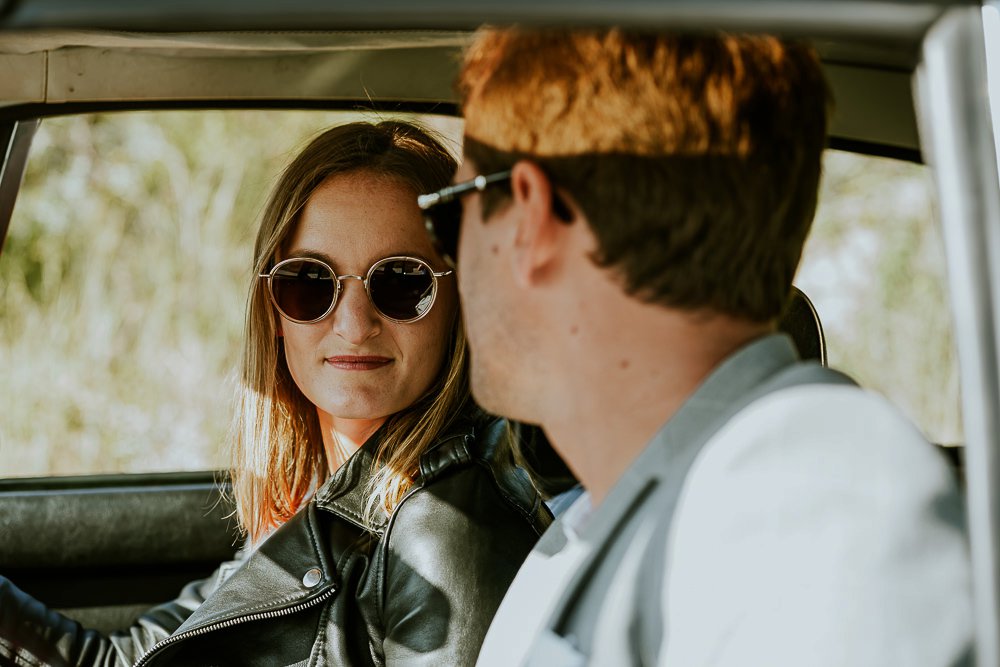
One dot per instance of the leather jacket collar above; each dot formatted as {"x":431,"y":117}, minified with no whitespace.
{"x":345,"y":493}
{"x":323,"y":589}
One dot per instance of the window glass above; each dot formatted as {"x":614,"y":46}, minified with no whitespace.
{"x":125,"y":276}
{"x":874,"y":267}
{"x":126,"y":268}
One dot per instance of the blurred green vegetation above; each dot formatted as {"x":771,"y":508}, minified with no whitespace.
{"x":874,"y":267}
{"x":125,"y":274}
{"x":124,"y":282}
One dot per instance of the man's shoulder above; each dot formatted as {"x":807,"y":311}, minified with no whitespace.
{"x":839,"y":450}
{"x":823,"y":513}
{"x":835,"y":429}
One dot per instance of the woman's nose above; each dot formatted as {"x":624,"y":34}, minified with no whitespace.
{"x":354,"y":318}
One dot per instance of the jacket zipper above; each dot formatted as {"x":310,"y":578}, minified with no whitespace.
{"x":231,"y":622}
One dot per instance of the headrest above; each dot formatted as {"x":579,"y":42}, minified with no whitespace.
{"x":801,"y":322}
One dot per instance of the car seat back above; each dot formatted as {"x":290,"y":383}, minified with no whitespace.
{"x":801,"y":322}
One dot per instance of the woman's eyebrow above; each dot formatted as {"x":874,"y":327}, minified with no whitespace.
{"x":320,"y":255}
{"x":406,"y":253}
{"x":311,"y":254}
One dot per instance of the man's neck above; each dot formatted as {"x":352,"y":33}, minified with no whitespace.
{"x":624,"y":389}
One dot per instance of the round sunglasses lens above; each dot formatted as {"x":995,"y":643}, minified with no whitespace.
{"x":303,"y":290}
{"x":402,"y":289}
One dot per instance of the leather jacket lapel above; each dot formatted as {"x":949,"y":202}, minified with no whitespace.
{"x":293,"y":565}
{"x":281,"y":573}
{"x":345,"y":493}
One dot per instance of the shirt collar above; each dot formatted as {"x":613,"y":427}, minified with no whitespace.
{"x":706,"y":408}
{"x":732,"y":379}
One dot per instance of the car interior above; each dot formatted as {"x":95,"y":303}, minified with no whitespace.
{"x":103,"y":546}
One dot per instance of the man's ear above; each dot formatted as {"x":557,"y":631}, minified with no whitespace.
{"x":540,"y":235}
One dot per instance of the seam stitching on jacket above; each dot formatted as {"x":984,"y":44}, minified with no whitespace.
{"x":320,"y":636}
{"x":381,"y":574}
{"x":310,"y":519}
{"x":383,"y":548}
{"x":346,"y":510}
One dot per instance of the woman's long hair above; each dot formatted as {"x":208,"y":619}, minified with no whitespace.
{"x":278,"y":455}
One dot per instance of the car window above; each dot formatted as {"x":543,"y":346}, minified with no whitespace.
{"x":127,"y":260}
{"x":874,"y":267}
{"x":125,"y":274}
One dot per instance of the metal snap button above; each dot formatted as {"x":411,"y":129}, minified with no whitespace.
{"x":312,"y":577}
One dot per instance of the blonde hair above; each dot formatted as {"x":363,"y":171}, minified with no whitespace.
{"x":695,"y":159}
{"x":278,"y":455}
{"x":567,"y":92}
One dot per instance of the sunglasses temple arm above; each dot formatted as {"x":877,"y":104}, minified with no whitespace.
{"x":427,"y":201}
{"x":445,"y":195}
{"x":499,"y":176}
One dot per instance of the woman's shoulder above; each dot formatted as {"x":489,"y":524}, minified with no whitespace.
{"x":472,"y":468}
{"x":477,"y":444}
{"x":455,"y":542}
{"x":462,"y":505}
{"x":472,"y":438}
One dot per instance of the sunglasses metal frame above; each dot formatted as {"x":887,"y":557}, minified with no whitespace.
{"x":364,"y":281}
{"x":449,"y":194}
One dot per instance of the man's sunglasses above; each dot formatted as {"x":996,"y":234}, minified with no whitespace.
{"x":443,"y":212}
{"x":305,"y":290}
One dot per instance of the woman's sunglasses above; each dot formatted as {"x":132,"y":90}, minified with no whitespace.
{"x":305,"y":290}
{"x":443,"y":212}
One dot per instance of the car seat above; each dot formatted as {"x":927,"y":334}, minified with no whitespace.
{"x":801,"y":322}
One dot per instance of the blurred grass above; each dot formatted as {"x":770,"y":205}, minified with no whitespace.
{"x":874,"y":267}
{"x":124,"y":280}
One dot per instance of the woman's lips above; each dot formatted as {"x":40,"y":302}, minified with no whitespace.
{"x":358,"y":363}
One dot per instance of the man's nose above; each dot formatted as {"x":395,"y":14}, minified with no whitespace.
{"x":355,"y":319}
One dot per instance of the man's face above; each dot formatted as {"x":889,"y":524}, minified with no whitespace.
{"x":493,"y":319}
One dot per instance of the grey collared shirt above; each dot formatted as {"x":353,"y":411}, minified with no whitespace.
{"x":809,"y":530}
{"x":600,"y":537}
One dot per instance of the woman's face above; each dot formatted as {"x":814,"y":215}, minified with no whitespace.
{"x":354,"y":364}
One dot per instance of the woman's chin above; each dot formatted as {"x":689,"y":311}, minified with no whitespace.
{"x":362,"y":410}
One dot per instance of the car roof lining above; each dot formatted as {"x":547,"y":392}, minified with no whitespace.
{"x":871,"y":82}
{"x":908,"y":19}
{"x":247,"y":44}
{"x":92,"y":67}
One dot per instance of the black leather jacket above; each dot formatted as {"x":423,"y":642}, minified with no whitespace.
{"x":324,"y":590}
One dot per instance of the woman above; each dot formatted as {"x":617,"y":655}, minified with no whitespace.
{"x":384,"y":512}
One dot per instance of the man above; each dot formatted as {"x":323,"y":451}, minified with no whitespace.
{"x":633,"y":211}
